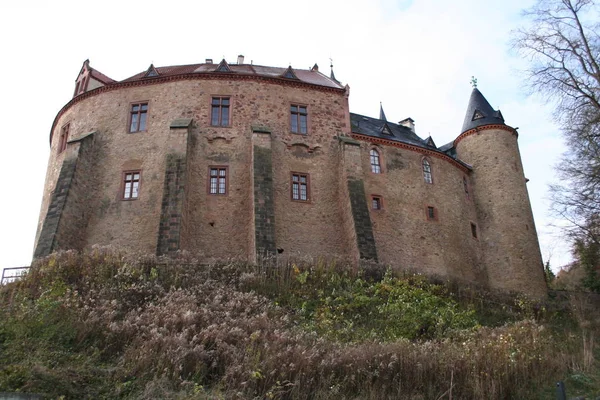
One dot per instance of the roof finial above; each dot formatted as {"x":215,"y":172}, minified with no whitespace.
{"x":332,"y":76}
{"x":474,"y":82}
{"x":381,"y":113}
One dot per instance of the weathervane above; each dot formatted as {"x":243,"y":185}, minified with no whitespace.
{"x":474,"y":82}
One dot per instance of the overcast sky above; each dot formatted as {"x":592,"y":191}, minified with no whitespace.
{"x":415,"y":56}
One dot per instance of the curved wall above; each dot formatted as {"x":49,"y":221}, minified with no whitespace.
{"x":260,"y":154}
{"x":510,"y":246}
{"x":216,"y":225}
{"x":404,"y":234}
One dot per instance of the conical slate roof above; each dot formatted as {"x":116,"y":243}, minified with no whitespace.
{"x":480,"y":112}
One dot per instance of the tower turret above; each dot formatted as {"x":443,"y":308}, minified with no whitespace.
{"x":509,"y":243}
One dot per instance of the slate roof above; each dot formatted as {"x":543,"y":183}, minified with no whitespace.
{"x":374,"y":127}
{"x":308,"y":76}
{"x":480,"y":112}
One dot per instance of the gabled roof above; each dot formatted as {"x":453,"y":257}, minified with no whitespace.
{"x":480,"y":112}
{"x":151,"y":72}
{"x":289,"y":73}
{"x":429,"y":142}
{"x":223,"y":67}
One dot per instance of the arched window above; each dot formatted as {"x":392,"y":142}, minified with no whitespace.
{"x":427,"y":171}
{"x":375,"y":161}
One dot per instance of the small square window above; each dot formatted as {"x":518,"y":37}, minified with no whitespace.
{"x":131,"y":185}
{"x":217,"y":184}
{"x":64,"y":138}
{"x":298,"y":119}
{"x":474,"y":230}
{"x":300,"y":187}
{"x":219,"y":114}
{"x":376,"y":202}
{"x":432,"y":213}
{"x":138,"y":117}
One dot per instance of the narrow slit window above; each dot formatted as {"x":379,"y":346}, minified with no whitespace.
{"x":300,"y":188}
{"x":375,"y":161}
{"x":466,"y":187}
{"x":427,"y":176}
{"x":474,"y":230}
{"x":218,"y":181}
{"x":131,"y":185}
{"x":432,"y":214}
{"x":64,"y":138}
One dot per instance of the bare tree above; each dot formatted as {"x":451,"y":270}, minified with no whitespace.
{"x":563,"y":45}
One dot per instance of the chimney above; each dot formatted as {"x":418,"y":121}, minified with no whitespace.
{"x":409,"y":123}
{"x":209,"y":61}
{"x":240,"y":59}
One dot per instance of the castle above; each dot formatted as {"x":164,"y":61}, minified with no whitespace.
{"x":235,"y":160}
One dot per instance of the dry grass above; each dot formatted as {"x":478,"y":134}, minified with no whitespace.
{"x":130,"y":326}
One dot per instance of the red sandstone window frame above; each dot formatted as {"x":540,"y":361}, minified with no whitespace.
{"x":474,"y":231}
{"x":139,"y":112}
{"x":427,"y":170}
{"x":298,"y":115}
{"x":64,"y":138}
{"x":375,"y":161}
{"x":376,"y":202}
{"x":127,"y":194}
{"x":221,"y":180}
{"x":296,"y":185}
{"x":431,"y":213}
{"x":219,"y":107}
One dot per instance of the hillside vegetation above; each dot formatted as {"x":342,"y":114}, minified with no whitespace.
{"x":109,"y":325}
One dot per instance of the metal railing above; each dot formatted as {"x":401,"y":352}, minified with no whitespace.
{"x":13,"y":274}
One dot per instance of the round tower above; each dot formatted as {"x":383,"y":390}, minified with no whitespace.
{"x":509,"y":245}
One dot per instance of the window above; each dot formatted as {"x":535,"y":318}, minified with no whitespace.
{"x":375,"y":161}
{"x":218,"y":180}
{"x":64,"y":137}
{"x":474,"y":230}
{"x":300,"y":188}
{"x":427,"y":171}
{"x":298,"y":119}
{"x":466,"y":187}
{"x":219,"y":115}
{"x":131,"y":185}
{"x":138,"y":116}
{"x":432,"y":213}
{"x":376,"y":202}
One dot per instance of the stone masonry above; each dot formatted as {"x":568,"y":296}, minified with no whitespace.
{"x":469,"y":219}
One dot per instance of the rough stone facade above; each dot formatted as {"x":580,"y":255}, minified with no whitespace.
{"x":473,"y":222}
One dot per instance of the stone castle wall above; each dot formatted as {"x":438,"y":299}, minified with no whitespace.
{"x":174,"y":210}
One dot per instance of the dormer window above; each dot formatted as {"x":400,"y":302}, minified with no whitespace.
{"x":477,"y":115}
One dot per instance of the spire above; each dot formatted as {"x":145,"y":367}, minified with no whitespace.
{"x":381,"y":113}
{"x":480,"y":112}
{"x":332,"y":76}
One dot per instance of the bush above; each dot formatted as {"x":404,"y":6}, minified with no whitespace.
{"x":105,"y":324}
